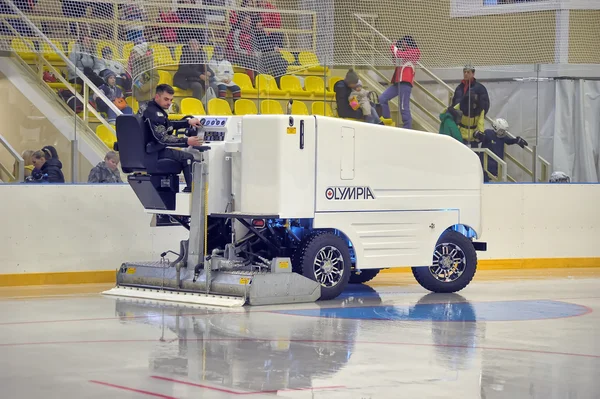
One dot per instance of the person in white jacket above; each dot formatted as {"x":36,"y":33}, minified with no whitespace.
{"x":223,"y":74}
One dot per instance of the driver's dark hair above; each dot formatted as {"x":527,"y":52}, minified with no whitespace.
{"x":160,"y":89}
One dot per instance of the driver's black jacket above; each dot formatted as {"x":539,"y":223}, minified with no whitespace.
{"x":162,"y":128}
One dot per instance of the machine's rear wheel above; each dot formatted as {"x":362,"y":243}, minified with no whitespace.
{"x":324,"y":258}
{"x":454,"y":264}
{"x":364,"y":276}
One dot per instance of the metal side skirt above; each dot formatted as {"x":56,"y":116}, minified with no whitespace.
{"x":174,"y":296}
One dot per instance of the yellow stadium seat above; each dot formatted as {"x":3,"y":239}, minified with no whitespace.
{"x":105,"y":43}
{"x":333,"y":80}
{"x":106,"y":136}
{"x":310,"y":60}
{"x":162,"y":56}
{"x":218,"y":106}
{"x":177,"y":52}
{"x":133,"y":103}
{"x":50,"y":54}
{"x":208,"y":50}
{"x":316,"y":86}
{"x":245,"y":107}
{"x":270,"y":107}
{"x":267,"y":85}
{"x":165,"y":77}
{"x":299,"y":108}
{"x":387,"y":122}
{"x":291,"y":85}
{"x":289,"y":57}
{"x":321,"y":108}
{"x":243,"y":80}
{"x":126,"y":50}
{"x":24,"y":48}
{"x":192,"y":106}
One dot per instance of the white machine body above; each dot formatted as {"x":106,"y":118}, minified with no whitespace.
{"x":392,"y":192}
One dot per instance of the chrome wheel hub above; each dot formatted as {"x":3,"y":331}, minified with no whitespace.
{"x":449,"y":262}
{"x":329,"y":266}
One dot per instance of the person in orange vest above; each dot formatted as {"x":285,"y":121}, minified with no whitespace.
{"x":406,"y":55}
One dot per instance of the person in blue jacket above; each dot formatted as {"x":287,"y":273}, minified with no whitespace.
{"x":495,"y":139}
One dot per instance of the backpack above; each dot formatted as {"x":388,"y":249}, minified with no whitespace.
{"x":73,"y":102}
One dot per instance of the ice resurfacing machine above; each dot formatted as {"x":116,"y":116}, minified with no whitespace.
{"x":293,"y":208}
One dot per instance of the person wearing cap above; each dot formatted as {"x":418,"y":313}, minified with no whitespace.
{"x":495,"y":139}
{"x":343,"y":90}
{"x":114,"y":94}
{"x":406,"y":55}
{"x":472,"y":98}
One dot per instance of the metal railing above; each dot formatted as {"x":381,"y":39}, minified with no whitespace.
{"x":18,"y":174}
{"x":376,"y":52}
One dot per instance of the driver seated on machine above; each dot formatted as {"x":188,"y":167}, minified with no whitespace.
{"x":163,"y":129}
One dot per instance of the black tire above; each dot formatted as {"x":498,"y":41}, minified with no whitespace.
{"x":449,"y":241}
{"x":364,"y":276}
{"x":305,"y":258}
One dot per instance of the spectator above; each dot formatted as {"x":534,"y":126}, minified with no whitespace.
{"x":168,"y":34}
{"x":223,"y":72}
{"x":270,"y":20}
{"x":107,"y":64}
{"x":406,"y":55}
{"x":74,"y":10}
{"x":192,"y":73}
{"x":471,"y":97}
{"x":271,"y":60}
{"x":359,"y":98}
{"x":146,"y":77}
{"x":240,"y":45}
{"x":559,"y":177}
{"x":495,"y":139}
{"x":106,"y":171}
{"x":343,"y":89}
{"x":450,"y":119}
{"x":26,"y":155}
{"x":134,"y":12}
{"x":46,"y":167}
{"x":114,"y":94}
{"x":82,"y":56}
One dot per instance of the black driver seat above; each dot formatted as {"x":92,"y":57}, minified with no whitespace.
{"x":133,"y":138}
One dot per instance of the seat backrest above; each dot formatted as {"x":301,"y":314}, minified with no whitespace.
{"x":271,"y":107}
{"x":333,"y":80}
{"x":266,"y":83}
{"x":299,"y":108}
{"x":104,"y":43}
{"x":106,"y":135}
{"x":132,"y":135}
{"x":162,"y":54}
{"x":208,"y":50}
{"x":165,"y":77}
{"x":314,"y":83}
{"x":218,"y":106}
{"x":289,"y":82}
{"x":133,"y":103}
{"x":308,"y":59}
{"x":242,"y":80}
{"x":192,"y":106}
{"x":289,"y":57}
{"x":245,"y":107}
{"x":321,"y":108}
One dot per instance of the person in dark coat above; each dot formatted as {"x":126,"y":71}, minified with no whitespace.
{"x":193,"y":72}
{"x":47,"y":168}
{"x":343,"y":89}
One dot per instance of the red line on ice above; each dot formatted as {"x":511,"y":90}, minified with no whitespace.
{"x":156,"y":395}
{"x":225,"y":390}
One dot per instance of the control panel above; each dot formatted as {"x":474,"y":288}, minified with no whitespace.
{"x":214,"y":128}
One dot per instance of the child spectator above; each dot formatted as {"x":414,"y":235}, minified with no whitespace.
{"x":107,"y":64}
{"x":223,"y":72}
{"x":192,"y":73}
{"x":47,"y":169}
{"x":495,"y":139}
{"x":28,"y":164}
{"x":106,"y":171}
{"x":359,"y":98}
{"x":114,"y":94}
{"x":343,"y":89}
{"x":406,"y":55}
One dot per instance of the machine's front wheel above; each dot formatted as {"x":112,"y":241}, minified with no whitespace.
{"x":363,"y":276}
{"x":325,"y":258}
{"x":454,"y":264}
